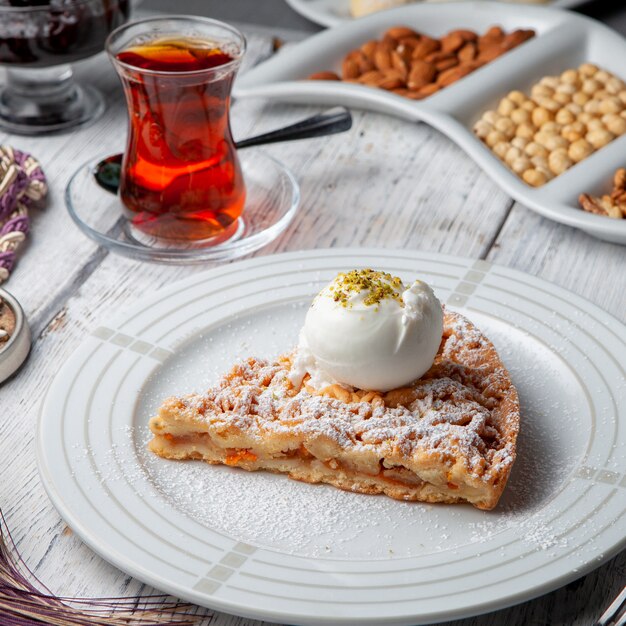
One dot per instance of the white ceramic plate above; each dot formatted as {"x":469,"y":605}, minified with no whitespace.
{"x":564,"y":40}
{"x":266,"y":547}
{"x":333,"y":12}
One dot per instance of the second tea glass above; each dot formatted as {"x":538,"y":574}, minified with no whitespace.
{"x":38,"y":42}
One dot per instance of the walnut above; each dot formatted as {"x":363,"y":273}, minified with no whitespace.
{"x":602,"y":206}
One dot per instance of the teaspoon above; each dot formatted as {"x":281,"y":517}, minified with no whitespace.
{"x":336,"y":120}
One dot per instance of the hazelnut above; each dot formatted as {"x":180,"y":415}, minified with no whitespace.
{"x":518,"y":97}
{"x":554,"y":142}
{"x":541,"y":90}
{"x":529,"y":106}
{"x":559,"y":161}
{"x":520,"y":165}
{"x":520,"y":142}
{"x":573,"y":132}
{"x":590,"y":86}
{"x":580,"y":150}
{"x":550,"y":81}
{"x":506,"y":106}
{"x":596,"y":124}
{"x":592,"y":107}
{"x":540,"y":162}
{"x":562,"y":98}
{"x":540,"y":116}
{"x":602,"y":76}
{"x":552,"y":128}
{"x":574,"y":108}
{"x":599,"y":138}
{"x":500,"y":149}
{"x":491,"y":116}
{"x":611,"y":105}
{"x":548,"y":103}
{"x":482,"y":128}
{"x":494,"y":137}
{"x":512,"y":154}
{"x":535,"y":149}
{"x":580,"y":98}
{"x":614,"y":86}
{"x":617,"y":126}
{"x":520,"y":116}
{"x":542,"y":138}
{"x":588,"y":69}
{"x":526,"y":131}
{"x":506,"y":126}
{"x":566,"y":88}
{"x":570,"y":77}
{"x":535,"y":178}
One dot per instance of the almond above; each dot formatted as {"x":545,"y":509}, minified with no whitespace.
{"x":468,"y":35}
{"x":382,"y":56}
{"x":407,"y":43}
{"x":371,"y":78}
{"x":516,"y":38}
{"x":399,"y":64}
{"x":399,"y":32}
{"x":363,"y":63}
{"x":435,"y":57}
{"x":495,"y":32}
{"x":401,"y":91}
{"x":421,"y":74}
{"x":392,"y":80}
{"x":405,"y":52}
{"x":324,"y":76}
{"x":490,"y":53}
{"x":415,"y":95}
{"x":425,"y":47}
{"x":390,"y":41}
{"x":369,"y":49}
{"x":452,"y":75}
{"x":452,"y":43}
{"x":467,"y":52}
{"x":429,"y":90}
{"x":446,"y":64}
{"x":350,"y":69}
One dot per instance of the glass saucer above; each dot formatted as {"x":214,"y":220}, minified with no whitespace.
{"x":272,"y":200}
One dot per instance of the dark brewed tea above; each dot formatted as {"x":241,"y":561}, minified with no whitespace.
{"x":181,"y":177}
{"x":60,"y":31}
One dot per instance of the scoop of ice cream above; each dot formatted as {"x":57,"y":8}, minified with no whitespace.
{"x":368,"y":330}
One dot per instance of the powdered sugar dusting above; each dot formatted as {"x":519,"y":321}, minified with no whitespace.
{"x":316,"y":520}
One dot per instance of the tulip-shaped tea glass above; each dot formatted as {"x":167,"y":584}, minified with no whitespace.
{"x":38,"y":41}
{"x":181,"y":178}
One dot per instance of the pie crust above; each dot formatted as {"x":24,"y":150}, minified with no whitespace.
{"x":448,"y":437}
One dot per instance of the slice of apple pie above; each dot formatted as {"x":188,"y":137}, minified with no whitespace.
{"x":447,"y":437}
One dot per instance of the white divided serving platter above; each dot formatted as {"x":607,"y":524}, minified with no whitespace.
{"x":266,"y":547}
{"x":564,"y":40}
{"x":333,"y":12}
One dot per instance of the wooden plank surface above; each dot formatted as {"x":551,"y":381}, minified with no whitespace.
{"x":391,"y":185}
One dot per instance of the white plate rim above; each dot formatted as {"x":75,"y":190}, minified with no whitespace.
{"x":548,"y":200}
{"x":324,"y":18}
{"x":365,"y":256}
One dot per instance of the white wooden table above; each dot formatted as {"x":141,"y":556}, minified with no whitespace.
{"x":387,"y":184}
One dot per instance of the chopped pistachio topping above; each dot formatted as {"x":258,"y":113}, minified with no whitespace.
{"x":378,"y":285}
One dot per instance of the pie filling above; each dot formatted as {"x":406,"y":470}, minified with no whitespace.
{"x":397,"y":481}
